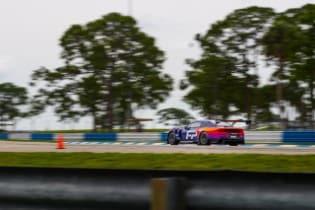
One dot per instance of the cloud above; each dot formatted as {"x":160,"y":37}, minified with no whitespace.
{"x":4,"y":68}
{"x":4,"y":63}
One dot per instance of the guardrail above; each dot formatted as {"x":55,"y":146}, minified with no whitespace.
{"x":53,"y":188}
{"x":250,"y":136}
{"x":301,"y":136}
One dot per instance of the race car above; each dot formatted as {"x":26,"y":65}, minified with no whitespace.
{"x":205,"y":132}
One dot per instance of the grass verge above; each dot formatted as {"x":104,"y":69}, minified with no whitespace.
{"x":249,"y":162}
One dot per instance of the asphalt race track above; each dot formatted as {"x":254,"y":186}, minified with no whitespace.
{"x":145,"y":147}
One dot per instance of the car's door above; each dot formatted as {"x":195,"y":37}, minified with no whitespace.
{"x":191,"y":131}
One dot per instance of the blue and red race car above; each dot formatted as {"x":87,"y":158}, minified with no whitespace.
{"x":205,"y":132}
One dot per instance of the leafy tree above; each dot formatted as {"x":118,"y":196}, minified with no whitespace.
{"x":174,"y":116}
{"x":290,"y":44}
{"x":211,"y":94}
{"x":295,"y":95}
{"x":109,"y":65}
{"x":278,"y":47}
{"x":241,"y":32}
{"x":303,"y":61}
{"x":228,"y":63}
{"x":265,"y":100}
{"x":12,"y":98}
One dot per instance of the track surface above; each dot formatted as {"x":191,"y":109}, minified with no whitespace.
{"x":132,"y":147}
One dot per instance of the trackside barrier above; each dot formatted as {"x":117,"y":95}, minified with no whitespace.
{"x":163,"y":137}
{"x":298,"y":136}
{"x":50,"y":136}
{"x":143,"y":136}
{"x":42,"y":136}
{"x":4,"y":136}
{"x":250,"y":136}
{"x":100,"y":136}
{"x":96,"y":189}
{"x":72,"y":136}
{"x":263,"y":136}
{"x":20,"y":136}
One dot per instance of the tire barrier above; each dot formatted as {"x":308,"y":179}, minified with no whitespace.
{"x":250,"y":136}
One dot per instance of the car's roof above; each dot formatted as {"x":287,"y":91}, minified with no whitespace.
{"x":214,"y":123}
{"x":208,"y":123}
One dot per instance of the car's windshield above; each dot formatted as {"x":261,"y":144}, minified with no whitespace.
{"x":208,"y":123}
{"x":202,"y":124}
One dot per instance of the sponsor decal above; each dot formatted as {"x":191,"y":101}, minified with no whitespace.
{"x":191,"y":135}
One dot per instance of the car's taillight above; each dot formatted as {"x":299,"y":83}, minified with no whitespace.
{"x":218,"y":133}
{"x":232,"y":131}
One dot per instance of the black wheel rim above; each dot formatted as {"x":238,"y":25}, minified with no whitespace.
{"x":204,"y":139}
{"x":171,"y":139}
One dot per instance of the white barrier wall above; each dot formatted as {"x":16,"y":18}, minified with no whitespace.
{"x":72,"y":136}
{"x":263,"y":136}
{"x":19,"y":136}
{"x":138,"y":136}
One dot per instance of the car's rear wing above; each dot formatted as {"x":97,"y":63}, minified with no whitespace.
{"x":233,"y":123}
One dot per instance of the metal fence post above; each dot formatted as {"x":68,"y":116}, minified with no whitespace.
{"x":168,"y":194}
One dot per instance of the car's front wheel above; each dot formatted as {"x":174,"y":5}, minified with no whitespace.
{"x":203,"y":139}
{"x":171,"y":139}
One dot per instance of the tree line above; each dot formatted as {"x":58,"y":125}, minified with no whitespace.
{"x":111,"y":68}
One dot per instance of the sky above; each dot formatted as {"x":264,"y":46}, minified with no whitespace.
{"x":30,"y":32}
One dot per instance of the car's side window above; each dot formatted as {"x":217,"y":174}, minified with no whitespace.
{"x":189,"y":126}
{"x":194,"y":125}
{"x":208,"y":124}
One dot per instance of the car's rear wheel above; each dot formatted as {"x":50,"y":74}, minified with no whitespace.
{"x":171,"y":139}
{"x":203,"y":139}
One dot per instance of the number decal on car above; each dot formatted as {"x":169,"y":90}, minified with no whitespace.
{"x":191,"y":135}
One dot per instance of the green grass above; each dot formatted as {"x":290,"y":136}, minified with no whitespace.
{"x":249,"y":162}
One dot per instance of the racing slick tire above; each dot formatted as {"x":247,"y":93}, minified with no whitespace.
{"x":203,"y":139}
{"x":171,"y":139}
